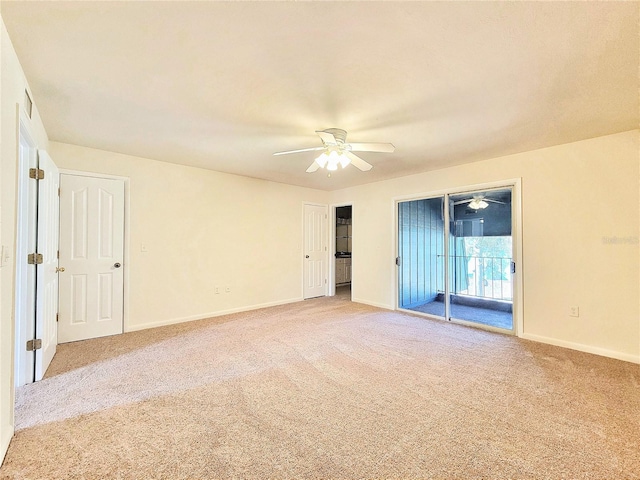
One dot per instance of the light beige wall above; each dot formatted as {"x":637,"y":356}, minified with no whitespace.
{"x":580,"y":214}
{"x":202,"y":229}
{"x":12,"y":87}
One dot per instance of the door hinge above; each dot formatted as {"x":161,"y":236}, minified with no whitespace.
{"x":57,"y":317}
{"x":58,"y":253}
{"x":36,"y":173}
{"x":513,"y":267}
{"x":34,"y":258}
{"x":34,"y":345}
{"x":398,"y":261}
{"x":58,"y":191}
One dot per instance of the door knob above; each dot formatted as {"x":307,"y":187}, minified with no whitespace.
{"x":117,"y":265}
{"x":306,"y":256}
{"x":59,"y":269}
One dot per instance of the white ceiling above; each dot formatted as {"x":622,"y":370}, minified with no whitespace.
{"x":224,"y":85}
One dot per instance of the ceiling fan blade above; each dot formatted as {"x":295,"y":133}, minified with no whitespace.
{"x":313,"y":167}
{"x":312,"y":149}
{"x":460,"y":202}
{"x":301,"y":150}
{"x":327,"y":137}
{"x":358,"y":162}
{"x":494,"y":201}
{"x":372,"y":147}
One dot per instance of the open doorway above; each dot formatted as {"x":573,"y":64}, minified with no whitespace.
{"x":343,"y":250}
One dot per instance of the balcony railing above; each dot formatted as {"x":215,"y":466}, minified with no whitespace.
{"x":481,"y":277}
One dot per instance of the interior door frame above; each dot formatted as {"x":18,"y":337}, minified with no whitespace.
{"x":127,"y":223}
{"x":24,"y":297}
{"x":332,"y":249}
{"x":516,"y":232}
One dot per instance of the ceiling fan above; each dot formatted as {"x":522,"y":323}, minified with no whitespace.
{"x":338,"y":152}
{"x":478,"y":202}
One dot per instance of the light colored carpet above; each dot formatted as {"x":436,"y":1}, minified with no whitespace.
{"x":326,"y":388}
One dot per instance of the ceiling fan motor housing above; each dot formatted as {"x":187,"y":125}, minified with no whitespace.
{"x":339,"y":134}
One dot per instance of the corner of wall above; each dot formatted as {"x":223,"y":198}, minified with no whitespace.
{"x":5,"y":440}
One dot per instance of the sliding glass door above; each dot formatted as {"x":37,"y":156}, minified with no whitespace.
{"x":462,"y":272}
{"x":421,"y":256}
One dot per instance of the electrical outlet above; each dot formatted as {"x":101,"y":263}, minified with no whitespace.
{"x":217,"y":290}
{"x":574,"y":311}
{"x":227,"y":289}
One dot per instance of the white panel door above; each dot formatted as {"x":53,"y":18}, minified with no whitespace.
{"x":47,"y":275}
{"x":315,"y":251}
{"x":92,"y":254}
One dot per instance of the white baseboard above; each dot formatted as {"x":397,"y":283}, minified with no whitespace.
{"x":583,"y":348}
{"x":5,"y":441}
{"x":173,"y":321}
{"x":373,"y":304}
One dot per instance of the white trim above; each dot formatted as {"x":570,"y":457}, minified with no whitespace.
{"x":395,"y":253}
{"x":5,"y":441}
{"x":457,"y":190}
{"x":518,"y":258}
{"x":446,"y":232}
{"x":373,"y":304}
{"x":627,"y":357}
{"x":219,"y":313}
{"x":80,"y":173}
{"x":127,"y":240}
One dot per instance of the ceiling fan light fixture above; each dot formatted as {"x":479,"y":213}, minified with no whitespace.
{"x":322,"y":159}
{"x":478,"y":204}
{"x":333,"y":160}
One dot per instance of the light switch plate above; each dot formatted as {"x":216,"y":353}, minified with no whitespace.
{"x":4,"y":256}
